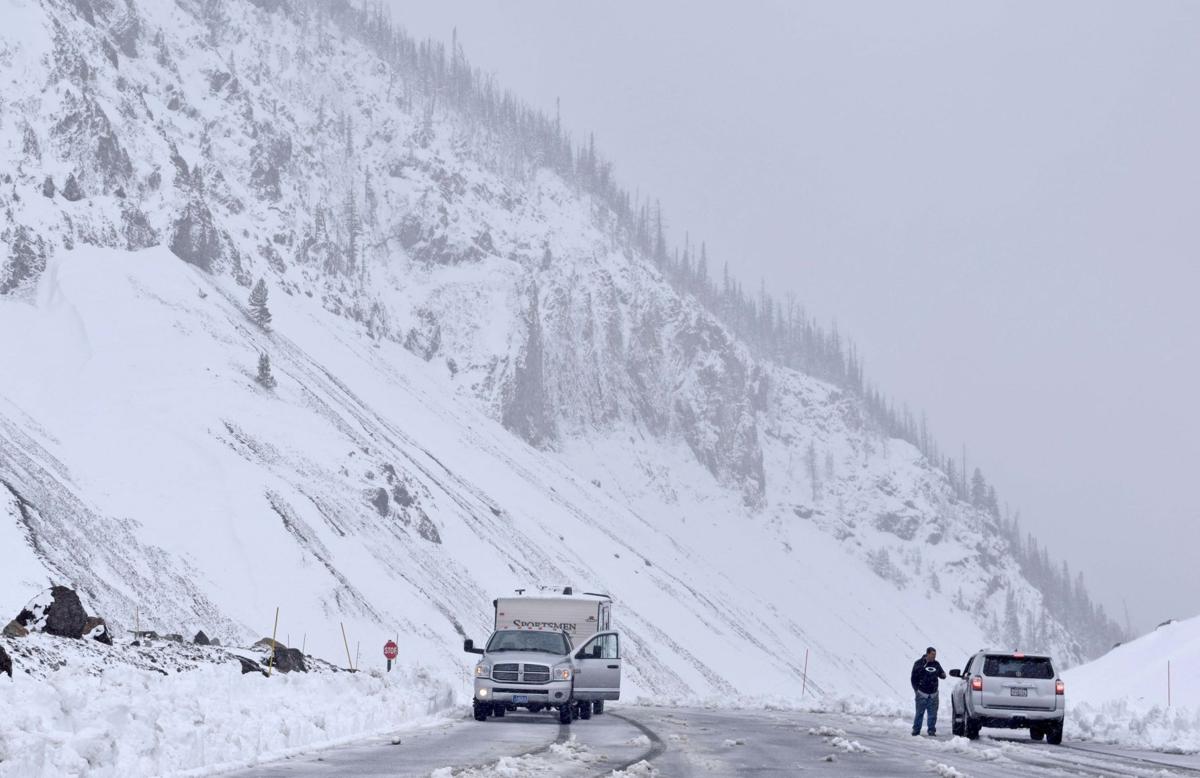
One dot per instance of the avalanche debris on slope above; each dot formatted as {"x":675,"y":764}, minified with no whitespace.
{"x":375,"y":485}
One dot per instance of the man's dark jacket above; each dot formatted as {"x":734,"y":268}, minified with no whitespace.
{"x":925,"y":676}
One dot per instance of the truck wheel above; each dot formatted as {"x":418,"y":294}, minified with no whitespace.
{"x":1054,"y":734}
{"x":598,"y":707}
{"x":973,"y":727}
{"x":1036,"y":733}
{"x":481,"y":711}
{"x":585,"y":710}
{"x":574,"y":711}
{"x":956,"y":726}
{"x":498,"y":711}
{"x":564,"y":714}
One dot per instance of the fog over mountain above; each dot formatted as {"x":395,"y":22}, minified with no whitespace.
{"x":995,"y":203}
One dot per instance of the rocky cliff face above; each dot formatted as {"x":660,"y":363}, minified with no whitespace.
{"x":264,"y":139}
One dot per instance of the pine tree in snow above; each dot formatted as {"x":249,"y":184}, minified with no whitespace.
{"x":1012,"y":620}
{"x":258,"y":305}
{"x":979,"y":489}
{"x":265,"y":377}
{"x":810,"y":464}
{"x":71,"y":190}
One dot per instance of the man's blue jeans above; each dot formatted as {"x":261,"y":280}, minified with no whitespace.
{"x":927,"y":705}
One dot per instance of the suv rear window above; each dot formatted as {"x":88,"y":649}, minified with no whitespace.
{"x":1018,"y":667}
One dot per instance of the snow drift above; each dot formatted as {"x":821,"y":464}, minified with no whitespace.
{"x":1122,"y":697}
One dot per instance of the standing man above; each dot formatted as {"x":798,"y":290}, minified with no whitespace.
{"x":925,"y":675}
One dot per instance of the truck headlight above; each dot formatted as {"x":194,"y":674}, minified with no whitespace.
{"x":482,"y":670}
{"x":562,"y":673}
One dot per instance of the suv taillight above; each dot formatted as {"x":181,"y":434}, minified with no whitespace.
{"x":977,"y":684}
{"x":1060,"y":687}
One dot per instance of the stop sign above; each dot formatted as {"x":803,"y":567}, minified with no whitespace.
{"x":390,"y":650}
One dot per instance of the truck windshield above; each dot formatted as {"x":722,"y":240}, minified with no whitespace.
{"x":523,"y":640}
{"x":1037,"y":667}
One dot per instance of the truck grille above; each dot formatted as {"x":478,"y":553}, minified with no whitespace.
{"x":507,"y":672}
{"x":536,"y":674}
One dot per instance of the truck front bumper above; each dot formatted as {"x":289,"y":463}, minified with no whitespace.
{"x":553,"y":693}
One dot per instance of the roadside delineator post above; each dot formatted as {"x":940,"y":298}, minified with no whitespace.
{"x":346,"y":643}
{"x":804,"y":683}
{"x":274,"y":632}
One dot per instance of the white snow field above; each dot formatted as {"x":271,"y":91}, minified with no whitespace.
{"x":230,"y":500}
{"x":205,"y":501}
{"x":1122,"y":696}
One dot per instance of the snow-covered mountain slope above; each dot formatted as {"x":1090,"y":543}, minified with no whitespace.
{"x":1137,"y":671}
{"x":1122,"y":697}
{"x":481,"y":385}
{"x":363,"y":490}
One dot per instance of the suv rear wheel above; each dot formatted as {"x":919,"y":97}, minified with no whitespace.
{"x":1054,"y":734}
{"x":973,"y":726}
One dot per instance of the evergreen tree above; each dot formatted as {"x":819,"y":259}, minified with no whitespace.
{"x":71,"y":190}
{"x":810,"y":464}
{"x":259,"y":311}
{"x":265,"y":377}
{"x":1012,"y":619}
{"x":979,"y":493}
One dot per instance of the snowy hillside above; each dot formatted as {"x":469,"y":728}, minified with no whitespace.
{"x":1123,"y":696}
{"x":480,"y":384}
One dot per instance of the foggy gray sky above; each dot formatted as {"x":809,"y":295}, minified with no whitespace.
{"x":999,"y":204}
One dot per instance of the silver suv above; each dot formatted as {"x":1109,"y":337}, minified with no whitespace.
{"x":1011,"y":691}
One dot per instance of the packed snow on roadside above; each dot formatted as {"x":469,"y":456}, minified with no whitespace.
{"x":559,"y":759}
{"x":132,"y":721}
{"x":1122,"y":696}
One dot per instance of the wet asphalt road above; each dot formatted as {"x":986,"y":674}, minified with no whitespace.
{"x":693,"y":742}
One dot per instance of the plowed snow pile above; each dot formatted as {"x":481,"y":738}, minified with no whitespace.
{"x":1122,"y":696}
{"x":129,"y":721}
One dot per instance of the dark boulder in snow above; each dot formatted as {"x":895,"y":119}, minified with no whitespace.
{"x":97,"y":630}
{"x":201,"y":639}
{"x":56,"y":611}
{"x":249,"y":665}
{"x":288,"y":660}
{"x":5,"y":662}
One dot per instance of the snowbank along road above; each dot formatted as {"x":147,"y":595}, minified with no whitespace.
{"x":672,"y":742}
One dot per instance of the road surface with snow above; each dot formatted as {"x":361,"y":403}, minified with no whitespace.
{"x":640,"y":741}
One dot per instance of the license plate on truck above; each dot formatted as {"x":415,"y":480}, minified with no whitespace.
{"x":1019,"y":692}
{"x":520,"y":699}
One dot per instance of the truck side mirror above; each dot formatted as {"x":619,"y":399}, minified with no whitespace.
{"x":956,"y":673}
{"x":469,"y":647}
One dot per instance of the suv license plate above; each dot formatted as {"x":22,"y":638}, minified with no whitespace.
{"x":520,"y":699}
{"x":1019,"y":692}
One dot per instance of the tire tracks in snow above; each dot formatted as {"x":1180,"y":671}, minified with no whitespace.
{"x":657,"y":747}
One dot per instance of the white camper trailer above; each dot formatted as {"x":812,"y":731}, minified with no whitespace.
{"x":559,"y":609}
